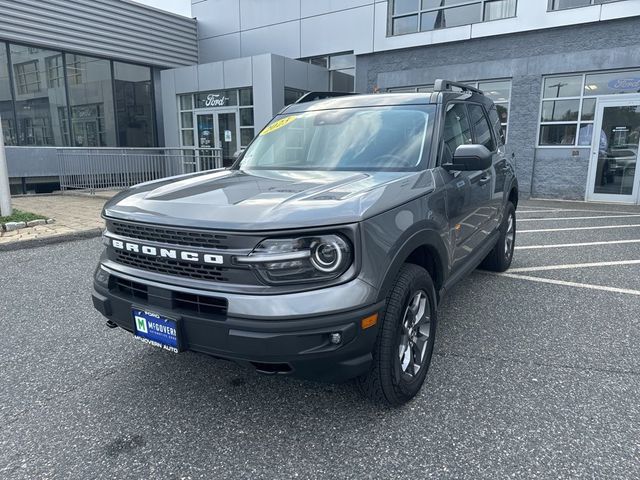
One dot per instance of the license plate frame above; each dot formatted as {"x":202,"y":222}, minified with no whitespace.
{"x":157,"y":329}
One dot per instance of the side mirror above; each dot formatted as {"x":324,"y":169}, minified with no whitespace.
{"x":470,"y":158}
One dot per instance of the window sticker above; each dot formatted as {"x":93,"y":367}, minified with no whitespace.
{"x":279,"y":124}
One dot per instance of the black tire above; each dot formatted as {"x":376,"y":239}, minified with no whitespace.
{"x":389,"y":381}
{"x":499,"y":259}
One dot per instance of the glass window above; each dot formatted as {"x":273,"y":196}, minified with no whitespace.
{"x":405,"y":6}
{"x":560,"y":110}
{"x":555,"y":87}
{"x":91,"y":100}
{"x":6,"y":100}
{"x":481,"y":129}
{"x":612,"y":83}
{"x":55,"y":71}
{"x":246,"y":135}
{"x":562,"y":4}
{"x":246,"y":96}
{"x":186,"y":102}
{"x":134,"y":105}
{"x":564,"y":134}
{"x":409,"y":17}
{"x":588,"y":109}
{"x":246,"y":117}
{"x":497,"y":9}
{"x":494,"y":117}
{"x":37,"y":103}
{"x":457,"y":130}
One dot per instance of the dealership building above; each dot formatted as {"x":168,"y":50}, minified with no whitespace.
{"x":564,"y":74}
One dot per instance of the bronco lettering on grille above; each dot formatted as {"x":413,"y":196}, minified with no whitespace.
{"x":195,"y":257}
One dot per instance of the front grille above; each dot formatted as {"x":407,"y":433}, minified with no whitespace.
{"x":201,"y":304}
{"x":171,"y":267}
{"x":130,"y":289}
{"x":173,"y":236}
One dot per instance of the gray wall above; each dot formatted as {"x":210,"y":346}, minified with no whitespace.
{"x":267,"y":74}
{"x":525,"y":57}
{"x":105,"y":28}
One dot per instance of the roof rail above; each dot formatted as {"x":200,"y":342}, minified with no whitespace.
{"x":445,"y":86}
{"x":312,"y":96}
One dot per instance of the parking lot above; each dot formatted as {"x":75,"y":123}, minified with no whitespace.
{"x":536,"y":374}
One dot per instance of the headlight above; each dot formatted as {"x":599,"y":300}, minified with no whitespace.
{"x":301,"y":259}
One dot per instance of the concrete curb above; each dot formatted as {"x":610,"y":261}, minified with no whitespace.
{"x":39,"y":242}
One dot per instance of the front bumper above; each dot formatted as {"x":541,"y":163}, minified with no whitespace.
{"x":294,"y":345}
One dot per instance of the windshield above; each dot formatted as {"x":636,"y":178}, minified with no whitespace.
{"x":378,"y":138}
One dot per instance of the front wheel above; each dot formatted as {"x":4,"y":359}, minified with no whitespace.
{"x":499,"y":259}
{"x":404,"y":346}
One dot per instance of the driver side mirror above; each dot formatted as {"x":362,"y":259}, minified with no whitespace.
{"x":469,"y":158}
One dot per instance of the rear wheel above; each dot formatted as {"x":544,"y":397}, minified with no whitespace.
{"x":405,"y":341}
{"x":499,"y":259}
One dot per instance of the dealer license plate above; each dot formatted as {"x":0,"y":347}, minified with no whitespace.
{"x":156,"y":329}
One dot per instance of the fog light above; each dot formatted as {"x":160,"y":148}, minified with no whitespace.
{"x":335,"y":338}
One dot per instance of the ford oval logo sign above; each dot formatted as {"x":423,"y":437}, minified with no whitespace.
{"x":625,"y":84}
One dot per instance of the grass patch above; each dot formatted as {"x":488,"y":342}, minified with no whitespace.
{"x":20,"y":216}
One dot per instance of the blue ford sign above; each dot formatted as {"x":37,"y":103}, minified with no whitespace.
{"x":625,"y":84}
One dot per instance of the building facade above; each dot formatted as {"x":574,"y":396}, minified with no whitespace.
{"x":564,"y":74}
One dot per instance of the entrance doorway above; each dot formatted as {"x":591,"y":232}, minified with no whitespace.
{"x":613,"y":175}
{"x":216,"y":130}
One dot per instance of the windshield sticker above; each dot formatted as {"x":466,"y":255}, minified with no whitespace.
{"x":279,"y":124}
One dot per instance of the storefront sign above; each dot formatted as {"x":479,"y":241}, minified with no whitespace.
{"x":625,"y":84}
{"x":215,"y":100}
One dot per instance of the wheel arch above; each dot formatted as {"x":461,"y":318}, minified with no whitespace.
{"x":425,"y":249}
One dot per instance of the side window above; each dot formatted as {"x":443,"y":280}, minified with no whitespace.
{"x":457,"y":130}
{"x":481,"y":128}
{"x":497,"y":125}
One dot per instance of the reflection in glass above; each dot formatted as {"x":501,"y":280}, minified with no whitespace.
{"x":405,"y":25}
{"x":496,"y":91}
{"x":558,"y":134}
{"x":562,"y":4}
{"x":560,"y":110}
{"x":134,"y":105}
{"x":451,"y":17}
{"x":6,"y":101}
{"x":39,"y":96}
{"x":405,"y":6}
{"x":618,"y":151}
{"x":497,"y":9}
{"x":612,"y":83}
{"x":588,"y":109}
{"x":555,"y":87}
{"x":91,"y":100}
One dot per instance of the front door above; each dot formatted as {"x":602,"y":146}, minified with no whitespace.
{"x":217,"y":138}
{"x":613,"y":175}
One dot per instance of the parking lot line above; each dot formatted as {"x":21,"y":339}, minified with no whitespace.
{"x":584,"y":244}
{"x":569,"y":284}
{"x":566,"y":229}
{"x":573,"y":265}
{"x":576,"y":218}
{"x":570,"y":210}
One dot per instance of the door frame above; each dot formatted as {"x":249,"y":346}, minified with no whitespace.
{"x":602,"y":103}
{"x":216,"y":126}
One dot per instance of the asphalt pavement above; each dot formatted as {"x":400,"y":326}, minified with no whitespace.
{"x":536,"y":374}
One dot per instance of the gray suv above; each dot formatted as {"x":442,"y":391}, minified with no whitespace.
{"x":324,"y":250}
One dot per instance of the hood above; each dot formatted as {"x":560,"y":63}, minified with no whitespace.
{"x":268,"y":199}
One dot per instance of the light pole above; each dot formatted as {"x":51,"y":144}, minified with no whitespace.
{"x":5,"y":196}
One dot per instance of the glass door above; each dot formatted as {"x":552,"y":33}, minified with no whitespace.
{"x":206,"y":141}
{"x":227,"y":136}
{"x":614,"y":152}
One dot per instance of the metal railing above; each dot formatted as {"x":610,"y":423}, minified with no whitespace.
{"x":109,"y":168}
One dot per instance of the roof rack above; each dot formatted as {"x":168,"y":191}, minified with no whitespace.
{"x":445,"y":86}
{"x":312,"y":96}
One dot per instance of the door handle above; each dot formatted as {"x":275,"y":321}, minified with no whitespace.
{"x":484,"y":180}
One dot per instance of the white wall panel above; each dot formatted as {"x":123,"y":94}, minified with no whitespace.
{"x":211,"y":76}
{"x":346,"y":30}
{"x":259,"y":13}
{"x":280,"y":39}
{"x":217,"y":17}
{"x":237,"y":72}
{"x":223,"y":47}
{"x":310,"y":8}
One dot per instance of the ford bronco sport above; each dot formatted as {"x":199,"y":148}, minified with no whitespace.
{"x":323,"y":251}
